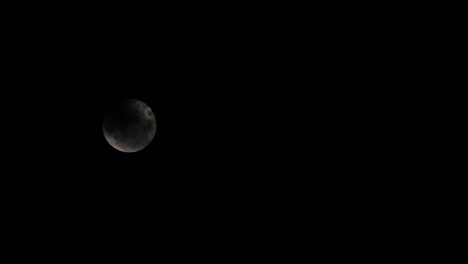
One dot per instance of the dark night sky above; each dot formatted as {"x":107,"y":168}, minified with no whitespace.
{"x":218,"y":91}
{"x":60,"y":81}
{"x":211,"y":86}
{"x":273,"y":127}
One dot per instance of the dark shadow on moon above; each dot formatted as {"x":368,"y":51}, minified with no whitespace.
{"x":129,"y":126}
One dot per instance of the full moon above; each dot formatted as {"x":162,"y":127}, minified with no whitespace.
{"x":129,"y":126}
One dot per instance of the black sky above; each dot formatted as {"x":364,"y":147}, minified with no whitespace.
{"x":211,"y":86}
{"x":218,"y":90}
{"x":274,"y":126}
{"x":59,"y":82}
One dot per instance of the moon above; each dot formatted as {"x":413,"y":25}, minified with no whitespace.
{"x":129,"y":126}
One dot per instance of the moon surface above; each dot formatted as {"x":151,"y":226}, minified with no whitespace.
{"x":129,"y":126}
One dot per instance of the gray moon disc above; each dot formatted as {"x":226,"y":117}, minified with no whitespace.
{"x":129,"y":126}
